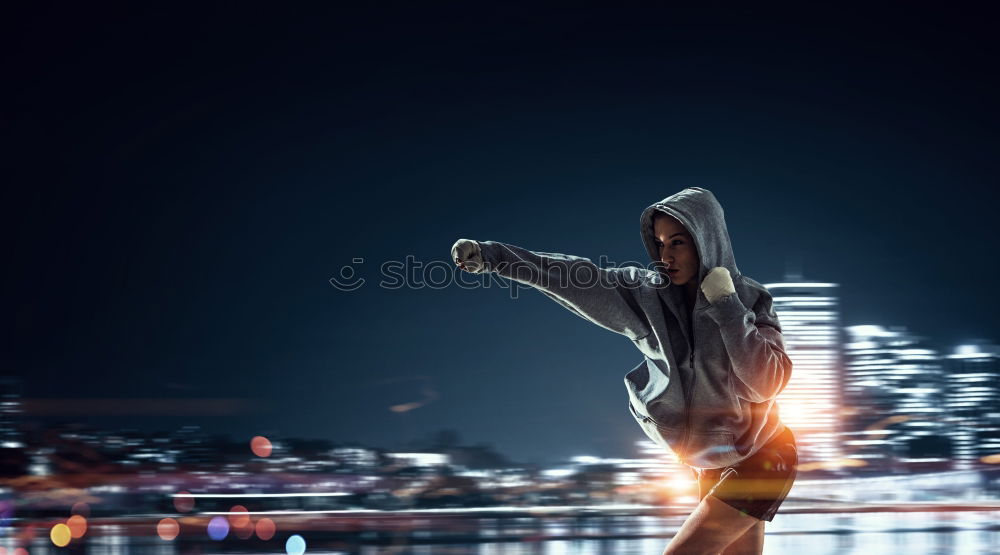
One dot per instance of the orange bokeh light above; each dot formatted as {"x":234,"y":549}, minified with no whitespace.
{"x":239,"y":516}
{"x":261,"y":446}
{"x":168,"y":529}
{"x":990,"y":459}
{"x":265,"y":529}
{"x":77,"y":526}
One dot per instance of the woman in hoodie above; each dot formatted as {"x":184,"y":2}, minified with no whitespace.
{"x":713,"y":359}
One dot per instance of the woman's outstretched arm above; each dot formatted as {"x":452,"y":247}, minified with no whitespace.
{"x":608,"y":297}
{"x":755,"y":345}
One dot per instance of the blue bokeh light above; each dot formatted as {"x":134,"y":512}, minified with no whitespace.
{"x":218,"y":527}
{"x":295,"y":545}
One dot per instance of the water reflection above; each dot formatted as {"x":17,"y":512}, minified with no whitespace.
{"x":816,"y":534}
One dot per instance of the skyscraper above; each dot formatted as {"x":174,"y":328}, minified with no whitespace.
{"x":894,"y":399}
{"x":811,"y":402}
{"x":10,"y":413}
{"x":973,"y":402}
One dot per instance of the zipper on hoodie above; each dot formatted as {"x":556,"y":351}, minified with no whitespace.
{"x":690,"y":387}
{"x":687,"y":411}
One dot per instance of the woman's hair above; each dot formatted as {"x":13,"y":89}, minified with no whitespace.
{"x":658,"y":214}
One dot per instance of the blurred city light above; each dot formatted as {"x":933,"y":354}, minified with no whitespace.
{"x":238,"y":516}
{"x":60,"y":535}
{"x":265,"y":529}
{"x":295,"y":545}
{"x":261,"y":446}
{"x":218,"y":528}
{"x":77,"y":525}
{"x":886,"y":423}
{"x":168,"y":529}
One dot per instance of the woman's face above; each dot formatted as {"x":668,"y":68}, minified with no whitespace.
{"x":677,"y":249}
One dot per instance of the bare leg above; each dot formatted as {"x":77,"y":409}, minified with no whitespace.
{"x":711,"y":527}
{"x":750,"y":543}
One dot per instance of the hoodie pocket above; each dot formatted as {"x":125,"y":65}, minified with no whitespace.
{"x":665,"y":437}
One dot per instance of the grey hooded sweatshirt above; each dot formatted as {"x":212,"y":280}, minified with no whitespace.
{"x":707,"y":383}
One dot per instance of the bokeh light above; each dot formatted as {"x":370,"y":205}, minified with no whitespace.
{"x":60,"y":535}
{"x":239,"y":516}
{"x":265,"y":529}
{"x":991,"y":459}
{"x":295,"y":545}
{"x":20,"y":551}
{"x":830,"y":465}
{"x":168,"y":529}
{"x":80,"y":508}
{"x":183,"y":502}
{"x":77,"y":526}
{"x":218,"y":527}
{"x":261,"y":446}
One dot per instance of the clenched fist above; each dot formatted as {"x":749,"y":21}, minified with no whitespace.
{"x":717,"y":284}
{"x":469,"y":257}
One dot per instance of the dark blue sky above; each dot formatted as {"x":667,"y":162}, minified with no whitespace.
{"x":180,"y":186}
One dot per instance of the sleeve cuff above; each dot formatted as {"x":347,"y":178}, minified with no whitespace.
{"x":492,"y":254}
{"x":726,"y":308}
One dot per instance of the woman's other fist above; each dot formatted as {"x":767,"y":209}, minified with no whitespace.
{"x":717,"y":284}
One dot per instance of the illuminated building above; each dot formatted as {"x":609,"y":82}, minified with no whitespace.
{"x":894,"y":402}
{"x":419,"y":459}
{"x":10,"y":413}
{"x":811,"y":402}
{"x":973,"y":402}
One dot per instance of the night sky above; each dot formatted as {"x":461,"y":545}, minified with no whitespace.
{"x":181,"y":185}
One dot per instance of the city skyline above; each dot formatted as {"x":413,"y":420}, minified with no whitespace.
{"x":829,"y":444}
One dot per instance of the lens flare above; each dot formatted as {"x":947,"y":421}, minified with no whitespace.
{"x":261,"y":446}
{"x":680,"y":485}
{"x":168,"y":529}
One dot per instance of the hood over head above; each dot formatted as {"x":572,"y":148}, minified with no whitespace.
{"x":702,"y":215}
